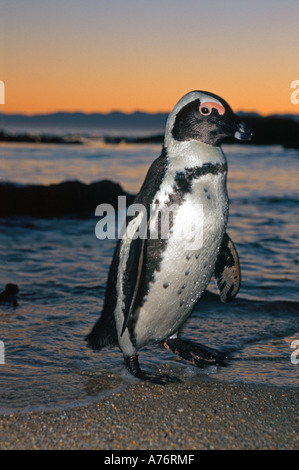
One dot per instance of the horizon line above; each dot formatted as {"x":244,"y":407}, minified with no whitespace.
{"x":137,"y":111}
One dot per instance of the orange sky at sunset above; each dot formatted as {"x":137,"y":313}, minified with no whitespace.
{"x":99,"y":56}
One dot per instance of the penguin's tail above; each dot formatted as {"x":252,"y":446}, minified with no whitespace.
{"x":103,"y":334}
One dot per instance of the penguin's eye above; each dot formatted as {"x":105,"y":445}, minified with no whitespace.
{"x":207,"y":108}
{"x":205,"y":111}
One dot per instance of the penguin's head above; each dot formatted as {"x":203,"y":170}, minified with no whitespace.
{"x":204,"y":117}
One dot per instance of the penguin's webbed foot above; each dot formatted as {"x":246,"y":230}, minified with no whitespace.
{"x":196,"y":354}
{"x":132,"y":365}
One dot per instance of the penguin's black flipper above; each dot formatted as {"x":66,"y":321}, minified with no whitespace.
{"x":227,"y":270}
{"x":132,"y":277}
{"x":135,"y":276}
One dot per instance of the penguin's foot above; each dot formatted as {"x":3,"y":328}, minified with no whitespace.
{"x":196,"y":354}
{"x":132,"y":364}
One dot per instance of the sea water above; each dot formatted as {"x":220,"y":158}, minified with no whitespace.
{"x":61,"y":269}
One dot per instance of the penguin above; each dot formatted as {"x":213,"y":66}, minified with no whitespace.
{"x":156,"y":278}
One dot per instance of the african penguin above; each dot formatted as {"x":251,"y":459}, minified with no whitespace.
{"x":173,"y":248}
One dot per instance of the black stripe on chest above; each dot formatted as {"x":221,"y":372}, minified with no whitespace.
{"x":183,"y":179}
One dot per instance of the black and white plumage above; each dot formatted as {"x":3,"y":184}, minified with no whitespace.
{"x":155,"y":281}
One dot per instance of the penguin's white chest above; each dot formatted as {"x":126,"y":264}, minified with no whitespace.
{"x":188,"y":259}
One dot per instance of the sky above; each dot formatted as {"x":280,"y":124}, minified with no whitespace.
{"x":128,"y":55}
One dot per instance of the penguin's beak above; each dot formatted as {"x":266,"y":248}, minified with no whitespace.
{"x":243,"y":132}
{"x":232,"y":126}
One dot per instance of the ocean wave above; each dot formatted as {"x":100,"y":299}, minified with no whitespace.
{"x":253,"y":307}
{"x":267,"y":200}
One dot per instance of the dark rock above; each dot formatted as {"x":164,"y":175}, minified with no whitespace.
{"x":37,"y":139}
{"x":56,"y":200}
{"x":10,"y":294}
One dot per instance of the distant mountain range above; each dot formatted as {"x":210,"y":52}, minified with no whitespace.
{"x":142,"y":127}
{"x":78,"y":120}
{"x":115,"y":119}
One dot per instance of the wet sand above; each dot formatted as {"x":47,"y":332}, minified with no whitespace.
{"x":206,"y":414}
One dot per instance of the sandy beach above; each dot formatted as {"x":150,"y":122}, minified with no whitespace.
{"x":205,"y":414}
